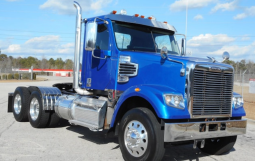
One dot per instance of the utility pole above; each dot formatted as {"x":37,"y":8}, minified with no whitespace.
{"x":243,"y":81}
{"x":31,"y":72}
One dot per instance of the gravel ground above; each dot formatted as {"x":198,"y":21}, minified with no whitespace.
{"x":19,"y":141}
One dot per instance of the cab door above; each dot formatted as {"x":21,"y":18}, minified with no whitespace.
{"x":98,"y":62}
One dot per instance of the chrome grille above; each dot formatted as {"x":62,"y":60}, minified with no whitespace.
{"x":212,"y":93}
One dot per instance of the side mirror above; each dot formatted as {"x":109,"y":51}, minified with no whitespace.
{"x":163,"y":52}
{"x":225,"y":56}
{"x":91,"y":34}
{"x":183,"y":47}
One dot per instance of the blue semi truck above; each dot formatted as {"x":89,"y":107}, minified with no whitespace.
{"x":137,"y":83}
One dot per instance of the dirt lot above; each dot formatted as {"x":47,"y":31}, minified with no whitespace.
{"x":249,"y":101}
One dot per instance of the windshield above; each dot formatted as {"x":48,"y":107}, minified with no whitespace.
{"x":135,"y":37}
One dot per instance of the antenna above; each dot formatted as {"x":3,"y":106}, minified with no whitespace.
{"x":187,"y":4}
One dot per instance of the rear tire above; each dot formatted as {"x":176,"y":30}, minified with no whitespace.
{"x":218,"y":146}
{"x":38,"y":117}
{"x":20,"y":104}
{"x":140,"y":136}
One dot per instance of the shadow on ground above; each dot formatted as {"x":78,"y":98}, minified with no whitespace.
{"x":173,"y":153}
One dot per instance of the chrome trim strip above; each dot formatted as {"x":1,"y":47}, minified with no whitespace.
{"x":175,"y":132}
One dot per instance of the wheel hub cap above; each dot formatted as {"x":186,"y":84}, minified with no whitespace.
{"x":17,"y":104}
{"x":136,"y":139}
{"x":34,"y":109}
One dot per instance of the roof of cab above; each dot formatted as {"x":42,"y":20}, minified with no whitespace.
{"x":136,"y":20}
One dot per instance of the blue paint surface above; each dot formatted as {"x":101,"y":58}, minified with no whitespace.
{"x":155,"y":77}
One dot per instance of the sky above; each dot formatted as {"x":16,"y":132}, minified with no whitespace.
{"x":45,"y":28}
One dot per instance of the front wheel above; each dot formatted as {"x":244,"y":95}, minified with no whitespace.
{"x":218,"y":146}
{"x":140,"y":136}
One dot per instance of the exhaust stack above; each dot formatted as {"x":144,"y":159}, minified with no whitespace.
{"x":77,"y":51}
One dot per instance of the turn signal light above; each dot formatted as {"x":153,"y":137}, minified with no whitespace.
{"x":137,"y":89}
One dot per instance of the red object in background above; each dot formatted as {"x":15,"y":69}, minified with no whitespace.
{"x":252,"y":79}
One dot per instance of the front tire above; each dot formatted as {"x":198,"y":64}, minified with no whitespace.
{"x":140,"y":136}
{"x":38,"y":117}
{"x":218,"y":146}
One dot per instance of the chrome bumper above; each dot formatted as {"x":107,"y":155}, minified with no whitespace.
{"x":201,"y":130}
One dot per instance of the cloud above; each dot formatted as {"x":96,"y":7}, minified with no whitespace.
{"x":209,"y":42}
{"x":240,"y":16}
{"x":49,"y":45}
{"x":214,"y":45}
{"x":66,"y":6}
{"x":247,"y":12}
{"x":198,"y":17}
{"x":245,"y":37}
{"x":236,"y":52}
{"x":180,"y":5}
{"x":226,"y":6}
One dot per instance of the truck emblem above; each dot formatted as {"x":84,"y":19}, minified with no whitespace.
{"x":215,"y":69}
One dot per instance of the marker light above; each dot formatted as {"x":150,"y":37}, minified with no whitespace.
{"x":113,"y":12}
{"x":142,"y":16}
{"x":165,"y":22}
{"x":137,"y":89}
{"x":123,"y":12}
{"x":136,"y":15}
{"x":152,"y":18}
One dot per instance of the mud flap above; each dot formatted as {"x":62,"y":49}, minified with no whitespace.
{"x":10,"y":98}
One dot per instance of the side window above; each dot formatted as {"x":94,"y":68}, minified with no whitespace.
{"x":122,"y":40}
{"x":102,"y":37}
{"x":163,"y":41}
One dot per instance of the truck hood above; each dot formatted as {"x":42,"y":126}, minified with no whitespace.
{"x":156,"y":56}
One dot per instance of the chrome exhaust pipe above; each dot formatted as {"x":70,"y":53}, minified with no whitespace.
{"x":77,"y":50}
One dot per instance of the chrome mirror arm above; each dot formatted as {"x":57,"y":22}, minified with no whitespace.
{"x":164,"y":56}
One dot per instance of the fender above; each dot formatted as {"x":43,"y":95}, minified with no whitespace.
{"x":154,"y":95}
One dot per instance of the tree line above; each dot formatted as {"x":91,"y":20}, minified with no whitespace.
{"x":59,"y":63}
{"x":242,"y":65}
{"x":43,"y":63}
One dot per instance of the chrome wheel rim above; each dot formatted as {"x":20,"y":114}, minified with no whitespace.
{"x":136,"y":138}
{"x":34,"y":109}
{"x":17,"y":104}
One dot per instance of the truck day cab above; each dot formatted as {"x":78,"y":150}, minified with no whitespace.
{"x":138,"y":85}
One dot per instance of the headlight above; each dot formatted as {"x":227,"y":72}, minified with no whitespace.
{"x":237,"y":101}
{"x":174,"y":100}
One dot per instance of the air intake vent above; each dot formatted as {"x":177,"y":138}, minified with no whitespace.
{"x":126,"y":69}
